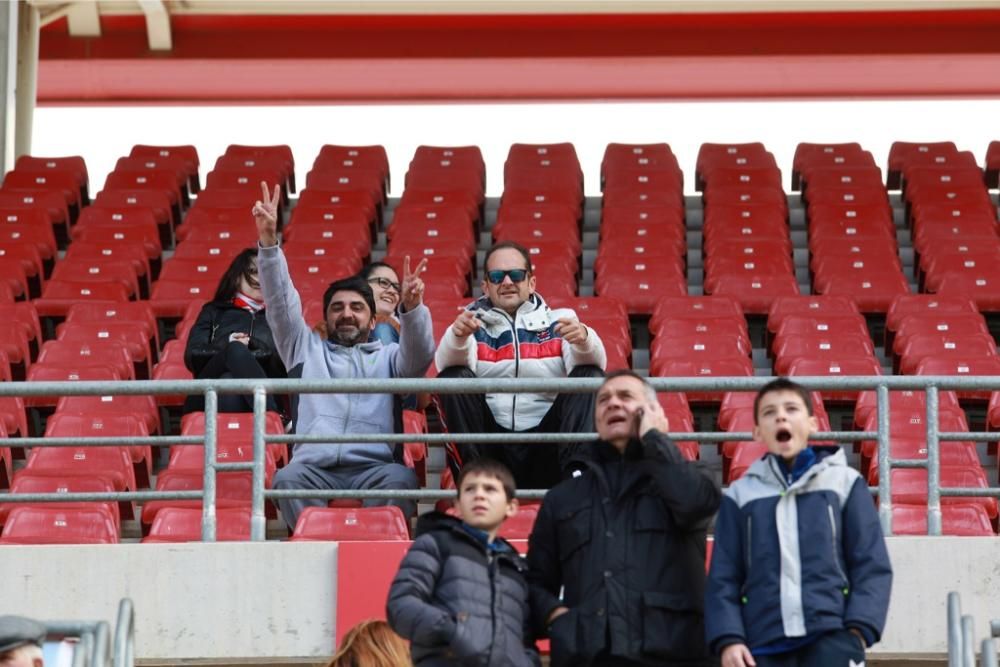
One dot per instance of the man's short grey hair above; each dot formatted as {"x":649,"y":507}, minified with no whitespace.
{"x":625,"y":372}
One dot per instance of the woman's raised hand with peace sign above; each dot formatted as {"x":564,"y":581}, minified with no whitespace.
{"x":412,"y":285}
{"x":265,"y":214}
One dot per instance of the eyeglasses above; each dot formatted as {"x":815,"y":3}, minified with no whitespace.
{"x":515,"y":275}
{"x":385,"y":283}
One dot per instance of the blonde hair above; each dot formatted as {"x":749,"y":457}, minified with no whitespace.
{"x":371,"y":644}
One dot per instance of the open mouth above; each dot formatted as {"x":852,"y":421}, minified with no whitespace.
{"x":783,"y":435}
{"x":617,"y":419}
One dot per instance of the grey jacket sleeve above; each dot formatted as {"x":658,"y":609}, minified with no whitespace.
{"x":284,"y":307}
{"x":416,"y":343}
{"x":409,"y":609}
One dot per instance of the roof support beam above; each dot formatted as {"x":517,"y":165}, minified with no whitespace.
{"x":157,"y":25}
{"x":84,"y":19}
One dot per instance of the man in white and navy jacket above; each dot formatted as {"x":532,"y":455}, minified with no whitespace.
{"x":511,"y":332}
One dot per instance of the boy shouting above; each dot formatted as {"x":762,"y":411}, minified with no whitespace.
{"x":800,"y":575}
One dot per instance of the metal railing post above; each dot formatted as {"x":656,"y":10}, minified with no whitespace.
{"x":125,"y":635}
{"x":208,"y":517}
{"x":258,"y":522}
{"x":933,"y":464}
{"x":988,"y":655}
{"x":884,"y":465}
{"x":968,"y":641}
{"x":954,"y":630}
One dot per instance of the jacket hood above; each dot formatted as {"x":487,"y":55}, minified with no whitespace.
{"x":533,"y":302}
{"x":435,"y":520}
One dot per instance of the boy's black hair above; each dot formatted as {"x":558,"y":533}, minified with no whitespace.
{"x":352,"y":284}
{"x":783,"y":384}
{"x":488,"y":468}
{"x":513,"y":246}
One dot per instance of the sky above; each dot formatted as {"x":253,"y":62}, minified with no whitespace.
{"x":103,"y":134}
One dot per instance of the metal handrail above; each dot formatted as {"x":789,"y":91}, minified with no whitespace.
{"x":260,"y":387}
{"x":124,"y":655}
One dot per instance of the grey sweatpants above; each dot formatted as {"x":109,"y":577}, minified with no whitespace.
{"x":311,"y":476}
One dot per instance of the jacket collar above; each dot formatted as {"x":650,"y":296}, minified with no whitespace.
{"x":434,"y":520}
{"x":769,"y":470}
{"x":483,"y":303}
{"x":600,"y":453}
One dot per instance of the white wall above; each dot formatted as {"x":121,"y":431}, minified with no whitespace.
{"x":278,"y":600}
{"x":103,"y":134}
{"x":225,"y":600}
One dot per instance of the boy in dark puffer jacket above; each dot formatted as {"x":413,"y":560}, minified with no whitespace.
{"x":460,"y":595}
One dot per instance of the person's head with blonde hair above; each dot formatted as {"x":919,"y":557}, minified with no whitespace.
{"x":371,"y":644}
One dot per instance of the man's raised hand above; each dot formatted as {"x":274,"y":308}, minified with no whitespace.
{"x":412,"y":285}
{"x":652,"y":416}
{"x":572,"y":330}
{"x":265,"y":214}
{"x":465,"y":324}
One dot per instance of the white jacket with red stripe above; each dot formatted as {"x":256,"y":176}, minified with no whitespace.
{"x":525,"y":347}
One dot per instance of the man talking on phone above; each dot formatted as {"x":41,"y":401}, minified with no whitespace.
{"x":512,"y":333}
{"x":616,"y":558}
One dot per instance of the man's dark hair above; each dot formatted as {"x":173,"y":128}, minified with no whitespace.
{"x":352,"y":284}
{"x":229,"y":284}
{"x":488,"y":468}
{"x":783,"y":384}
{"x":507,"y":244}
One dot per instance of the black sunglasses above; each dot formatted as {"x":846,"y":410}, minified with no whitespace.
{"x":385,"y":283}
{"x":516,"y":275}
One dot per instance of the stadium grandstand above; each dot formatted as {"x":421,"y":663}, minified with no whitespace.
{"x":726,"y":191}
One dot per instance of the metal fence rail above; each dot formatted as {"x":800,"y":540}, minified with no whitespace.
{"x":962,"y":638}
{"x":260,"y":388}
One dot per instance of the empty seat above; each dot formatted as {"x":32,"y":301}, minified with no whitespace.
{"x":51,"y":525}
{"x":959,"y":520}
{"x":26,"y":482}
{"x":182,"y":524}
{"x":343,"y":524}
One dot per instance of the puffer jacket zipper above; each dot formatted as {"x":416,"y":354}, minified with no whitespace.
{"x":836,"y":557}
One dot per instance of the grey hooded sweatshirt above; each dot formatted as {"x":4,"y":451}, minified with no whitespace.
{"x":322,"y":359}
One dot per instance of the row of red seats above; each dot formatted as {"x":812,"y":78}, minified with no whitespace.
{"x":746,"y":245}
{"x":642,"y":251}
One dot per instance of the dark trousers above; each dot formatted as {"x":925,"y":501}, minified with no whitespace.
{"x":839,"y":648}
{"x":534,"y":466}
{"x":233,"y":361}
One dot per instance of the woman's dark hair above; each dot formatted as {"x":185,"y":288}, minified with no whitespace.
{"x":368,"y":269}
{"x":229,"y":285}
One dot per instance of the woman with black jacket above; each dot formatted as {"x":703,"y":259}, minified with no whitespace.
{"x":231,"y":337}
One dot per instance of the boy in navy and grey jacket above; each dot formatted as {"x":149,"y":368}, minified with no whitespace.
{"x":799,"y":574}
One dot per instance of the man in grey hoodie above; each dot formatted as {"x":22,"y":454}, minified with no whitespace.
{"x":349,"y":308}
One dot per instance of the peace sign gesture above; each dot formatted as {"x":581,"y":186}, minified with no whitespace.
{"x":412,"y":285}
{"x":265,"y":214}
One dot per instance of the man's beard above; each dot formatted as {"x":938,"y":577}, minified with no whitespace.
{"x":348,"y":338}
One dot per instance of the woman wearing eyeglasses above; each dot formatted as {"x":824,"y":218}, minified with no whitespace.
{"x":231,"y":337}
{"x":384,"y":282}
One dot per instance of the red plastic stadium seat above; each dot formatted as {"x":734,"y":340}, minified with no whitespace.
{"x":75,"y":354}
{"x":755,"y":293}
{"x":909,"y":486}
{"x":61,"y":295}
{"x":72,"y":164}
{"x":351,"y":524}
{"x":694,"y":307}
{"x":237,"y":428}
{"x":232,"y":490}
{"x":980,"y":286}
{"x":970,"y":367}
{"x":142,"y":407}
{"x":332,"y":157}
{"x":26,"y":482}
{"x":182,"y":524}
{"x":62,"y":424}
{"x":50,"y":525}
{"x":905,"y":401}
{"x":189,"y":154}
{"x":726,"y":367}
{"x":639,"y":283}
{"x":917,"y":348}
{"x":111,"y":463}
{"x":845,"y":366}
{"x":915,"y":304}
{"x":873,"y":288}
{"x":791,"y":348}
{"x":963,"y":520}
